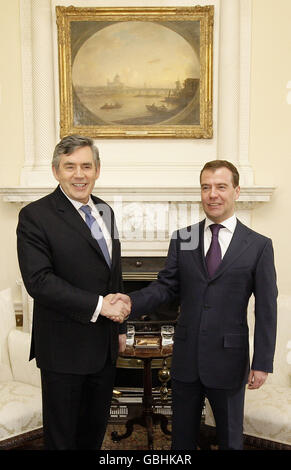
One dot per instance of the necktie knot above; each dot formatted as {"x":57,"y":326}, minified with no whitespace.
{"x":215,"y":228}
{"x":88,"y":216}
{"x":86,"y":209}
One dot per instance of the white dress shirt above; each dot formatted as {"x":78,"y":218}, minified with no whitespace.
{"x":224,"y":235}
{"x":95,"y":213}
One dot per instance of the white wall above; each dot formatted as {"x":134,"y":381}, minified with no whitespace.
{"x":11,"y":132}
{"x":270,"y":126}
{"x":270,"y":129}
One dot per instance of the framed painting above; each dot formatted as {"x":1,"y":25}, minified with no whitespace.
{"x":136,"y":72}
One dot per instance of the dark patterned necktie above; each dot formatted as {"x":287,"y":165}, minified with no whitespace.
{"x":96,"y":232}
{"x":213,"y":257}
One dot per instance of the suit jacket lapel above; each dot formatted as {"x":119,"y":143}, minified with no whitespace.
{"x":198,"y":253}
{"x":71,"y":216}
{"x":239,"y":243}
{"x":201,"y":244}
{"x":109,"y":220}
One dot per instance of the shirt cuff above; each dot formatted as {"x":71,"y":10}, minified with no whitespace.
{"x":98,"y":309}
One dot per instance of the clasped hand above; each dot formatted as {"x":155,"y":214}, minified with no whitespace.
{"x":116,"y":307}
{"x":256,"y":379}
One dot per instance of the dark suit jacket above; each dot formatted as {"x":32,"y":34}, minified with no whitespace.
{"x":64,"y":270}
{"x":211,"y":336}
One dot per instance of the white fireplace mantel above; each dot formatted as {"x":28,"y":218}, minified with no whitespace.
{"x":147,"y":216}
{"x":248,"y":194}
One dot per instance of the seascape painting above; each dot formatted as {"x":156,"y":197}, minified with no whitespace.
{"x":136,"y":73}
{"x":143,"y":76}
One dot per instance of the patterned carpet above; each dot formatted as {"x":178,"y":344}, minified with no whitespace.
{"x":138,"y":439}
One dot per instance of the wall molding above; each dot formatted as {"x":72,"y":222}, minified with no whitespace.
{"x":251,"y":194}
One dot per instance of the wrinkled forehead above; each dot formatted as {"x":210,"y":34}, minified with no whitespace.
{"x":80,"y":155}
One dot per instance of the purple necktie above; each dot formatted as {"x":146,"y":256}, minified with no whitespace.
{"x":213,"y":257}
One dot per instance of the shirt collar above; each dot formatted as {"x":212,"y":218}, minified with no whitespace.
{"x":78,"y":204}
{"x":229,"y":223}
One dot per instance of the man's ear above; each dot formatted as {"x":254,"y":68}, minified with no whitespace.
{"x":237,"y":192}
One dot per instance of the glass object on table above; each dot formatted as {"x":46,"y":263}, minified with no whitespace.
{"x":167,"y":333}
{"x":130,"y":335}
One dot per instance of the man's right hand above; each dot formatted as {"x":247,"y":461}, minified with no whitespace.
{"x":117,"y":311}
{"x":116,"y":298}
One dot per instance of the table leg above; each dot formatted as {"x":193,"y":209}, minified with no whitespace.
{"x":148,"y":417}
{"x":148,"y":400}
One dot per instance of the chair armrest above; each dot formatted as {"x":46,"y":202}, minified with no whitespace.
{"x":5,"y":373}
{"x":23,"y":370}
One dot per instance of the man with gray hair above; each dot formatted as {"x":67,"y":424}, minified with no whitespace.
{"x":69,"y":256}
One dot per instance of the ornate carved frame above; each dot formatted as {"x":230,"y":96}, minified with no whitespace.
{"x":67,"y":15}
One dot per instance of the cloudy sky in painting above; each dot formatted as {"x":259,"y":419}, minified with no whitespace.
{"x":139,"y":52}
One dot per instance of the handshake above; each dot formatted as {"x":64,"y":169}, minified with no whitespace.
{"x":116,"y":307}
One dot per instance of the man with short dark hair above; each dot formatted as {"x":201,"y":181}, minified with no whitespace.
{"x":213,"y":268}
{"x":69,"y":256}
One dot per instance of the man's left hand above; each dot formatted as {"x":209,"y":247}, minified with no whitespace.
{"x":256,"y":379}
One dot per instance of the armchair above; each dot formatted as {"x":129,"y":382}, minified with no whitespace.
{"x":20,"y":391}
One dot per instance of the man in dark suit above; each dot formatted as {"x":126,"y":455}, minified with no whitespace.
{"x":69,"y":256}
{"x":213,"y":268}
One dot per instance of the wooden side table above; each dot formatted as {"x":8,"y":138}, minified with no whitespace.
{"x":147,"y":418}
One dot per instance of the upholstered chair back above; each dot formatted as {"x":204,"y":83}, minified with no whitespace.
{"x":7,"y":323}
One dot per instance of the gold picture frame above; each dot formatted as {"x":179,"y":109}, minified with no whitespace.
{"x":136,"y":72}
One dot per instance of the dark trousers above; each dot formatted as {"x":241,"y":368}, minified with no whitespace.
{"x":227,"y":407}
{"x":76,"y":408}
